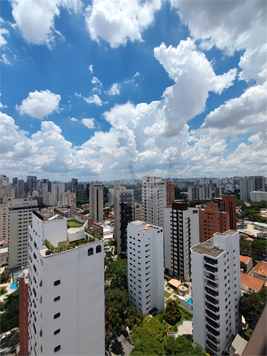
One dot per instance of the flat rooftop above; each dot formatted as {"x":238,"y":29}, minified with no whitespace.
{"x":47,"y":215}
{"x":207,"y":248}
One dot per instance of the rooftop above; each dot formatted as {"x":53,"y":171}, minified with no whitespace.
{"x":47,"y":215}
{"x":245,"y":259}
{"x":251,"y":282}
{"x":261,"y":268}
{"x":208,"y":248}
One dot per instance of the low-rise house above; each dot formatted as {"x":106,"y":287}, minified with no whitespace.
{"x":248,"y":261}
{"x":250,"y":284}
{"x":260,"y":271}
{"x":238,"y":346}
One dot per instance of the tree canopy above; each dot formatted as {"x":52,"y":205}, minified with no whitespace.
{"x":117,"y":272}
{"x":252,"y":306}
{"x":10,"y":309}
{"x":183,"y":345}
{"x":173,"y":313}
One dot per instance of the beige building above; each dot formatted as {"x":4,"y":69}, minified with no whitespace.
{"x":4,"y":208}
{"x":138,"y":212}
{"x":20,"y":216}
{"x":96,"y":202}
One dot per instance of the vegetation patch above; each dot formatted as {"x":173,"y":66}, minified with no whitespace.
{"x":74,"y":223}
{"x":3,"y":290}
{"x":166,"y":294}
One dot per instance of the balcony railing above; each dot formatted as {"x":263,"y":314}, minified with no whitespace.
{"x":211,"y":291}
{"x":211,"y":307}
{"x":212,"y":315}
{"x":212,"y":331}
{"x":210,"y":268}
{"x":212,"y":323}
{"x":211,"y":300}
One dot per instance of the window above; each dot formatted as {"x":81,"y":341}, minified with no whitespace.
{"x":98,"y":249}
{"x":56,"y":299}
{"x":56,"y":315}
{"x":56,"y":283}
{"x":57,"y":332}
{"x":90,"y":251}
{"x":56,"y":349}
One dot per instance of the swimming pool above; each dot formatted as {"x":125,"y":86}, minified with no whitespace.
{"x":14,"y":286}
{"x":190,"y":301}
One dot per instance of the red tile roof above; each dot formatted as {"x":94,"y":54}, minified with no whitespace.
{"x":244,"y":259}
{"x":261,"y":268}
{"x":251,"y":282}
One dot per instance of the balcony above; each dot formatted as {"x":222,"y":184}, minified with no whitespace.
{"x":212,"y":331}
{"x":212,"y":315}
{"x":212,"y":323}
{"x":210,"y":261}
{"x":211,"y":300}
{"x":212,"y":308}
{"x":212,"y":284}
{"x":210,"y":268}
{"x":212,"y":347}
{"x":211,"y":276}
{"x":213,"y":339}
{"x":211,"y":292}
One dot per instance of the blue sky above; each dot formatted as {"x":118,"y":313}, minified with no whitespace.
{"x":117,"y":89}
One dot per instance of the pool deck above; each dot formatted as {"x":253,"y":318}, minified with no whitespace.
{"x":9,"y":290}
{"x":185,"y":328}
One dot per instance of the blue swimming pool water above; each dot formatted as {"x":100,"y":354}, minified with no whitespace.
{"x":14,"y":286}
{"x":190,"y":301}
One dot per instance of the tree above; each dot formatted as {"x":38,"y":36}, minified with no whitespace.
{"x":14,"y":340}
{"x":117,"y":272}
{"x":5,"y":276}
{"x":173,"y":312}
{"x":243,"y":266}
{"x":182,"y":346}
{"x":116,"y":303}
{"x":10,"y":315}
{"x":252,"y":306}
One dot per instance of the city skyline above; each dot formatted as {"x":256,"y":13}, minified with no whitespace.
{"x":108,"y":90}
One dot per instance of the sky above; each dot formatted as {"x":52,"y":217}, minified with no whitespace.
{"x":118,"y":89}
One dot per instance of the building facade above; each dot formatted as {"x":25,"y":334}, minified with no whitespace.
{"x":153,"y":200}
{"x":66,"y":290}
{"x":96,"y":201}
{"x":20,"y":216}
{"x":23,"y":315}
{"x":123,"y":214}
{"x":229,"y":206}
{"x":258,"y":196}
{"x":138,"y":212}
{"x":57,"y":189}
{"x":181,"y":232}
{"x":145,"y":266}
{"x":212,"y":220}
{"x":170,"y":193}
{"x":4,"y":214}
{"x":216,"y":291}
{"x":250,"y":184}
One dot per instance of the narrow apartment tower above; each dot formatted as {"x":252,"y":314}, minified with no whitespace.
{"x":96,"y":201}
{"x":123,"y":214}
{"x":145,"y":266}
{"x":216,"y":287}
{"x":181,"y":232}
{"x":153,"y":200}
{"x":23,"y":314}
{"x":20,"y":216}
{"x":229,"y":205}
{"x":66,"y":289}
{"x":170,"y":193}
{"x":212,"y":220}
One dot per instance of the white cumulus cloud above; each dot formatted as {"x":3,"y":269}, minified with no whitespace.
{"x":89,"y":123}
{"x":117,"y":21}
{"x":74,"y":119}
{"x":39,"y":104}
{"x":114,"y":90}
{"x":3,"y":32}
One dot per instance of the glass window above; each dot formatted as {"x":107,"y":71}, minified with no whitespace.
{"x":98,"y":249}
{"x":56,"y":349}
{"x":56,"y":283}
{"x":90,"y":251}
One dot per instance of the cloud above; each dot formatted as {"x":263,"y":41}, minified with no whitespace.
{"x":117,"y":21}
{"x":89,"y":123}
{"x":96,"y":81}
{"x":36,"y":19}
{"x":3,"y":32}
{"x":114,"y":90}
{"x":5,"y":59}
{"x":91,"y":99}
{"x":39,"y":104}
{"x":91,"y":68}
{"x":73,"y":119}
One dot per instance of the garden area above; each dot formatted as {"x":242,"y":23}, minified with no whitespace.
{"x":74,"y":223}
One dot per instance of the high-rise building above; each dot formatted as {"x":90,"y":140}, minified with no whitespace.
{"x":111,"y":196}
{"x":229,"y":206}
{"x":4,"y":214}
{"x":145,"y":266}
{"x":4,"y":180}
{"x":258,"y":196}
{"x":212,"y":220}
{"x":250,"y":184}
{"x":9,"y":190}
{"x":23,"y":314}
{"x":96,"y":201}
{"x":196,"y":192}
{"x":32,"y":183}
{"x":20,"y":216}
{"x":74,"y":183}
{"x":170,"y":193}
{"x":181,"y":232}
{"x":20,"y":188}
{"x":15,"y":181}
{"x":66,"y":289}
{"x":138,"y":212}
{"x":153,"y":200}
{"x":57,"y":189}
{"x":123,"y":214}
{"x":216,"y":291}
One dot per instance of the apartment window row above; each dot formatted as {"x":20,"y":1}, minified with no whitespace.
{"x":90,"y":251}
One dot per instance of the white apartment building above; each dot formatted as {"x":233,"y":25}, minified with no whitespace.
{"x":138,"y":211}
{"x":216,"y":291}
{"x":57,"y":189}
{"x":4,"y":213}
{"x":251,"y":184}
{"x":9,"y":190}
{"x":111,"y":196}
{"x":258,"y":196}
{"x":153,"y":200}
{"x":123,"y":214}
{"x":202,"y":192}
{"x":145,"y":266}
{"x":181,"y":232}
{"x":66,"y":290}
{"x":20,"y":216}
{"x":96,"y":201}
